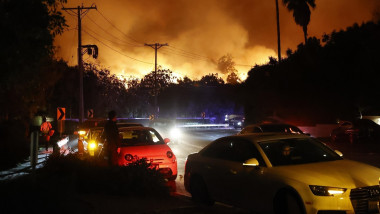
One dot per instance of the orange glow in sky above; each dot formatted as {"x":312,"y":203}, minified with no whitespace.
{"x":198,"y":32}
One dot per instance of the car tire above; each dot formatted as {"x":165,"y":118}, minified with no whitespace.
{"x":287,"y":202}
{"x":199,"y":192}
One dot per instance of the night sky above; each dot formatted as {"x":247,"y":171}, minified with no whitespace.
{"x":198,"y":32}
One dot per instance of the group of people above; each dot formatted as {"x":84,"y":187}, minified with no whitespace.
{"x":110,"y":135}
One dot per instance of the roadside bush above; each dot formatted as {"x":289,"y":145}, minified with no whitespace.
{"x":14,"y":143}
{"x":65,"y":179}
{"x":91,"y":175}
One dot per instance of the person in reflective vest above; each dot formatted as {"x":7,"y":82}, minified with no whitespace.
{"x":46,"y":129}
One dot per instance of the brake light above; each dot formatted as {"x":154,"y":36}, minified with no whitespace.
{"x":169,"y":154}
{"x":350,"y":131}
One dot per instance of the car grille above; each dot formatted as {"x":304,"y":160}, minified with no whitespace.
{"x":365,"y":199}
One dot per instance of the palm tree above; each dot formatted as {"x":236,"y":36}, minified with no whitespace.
{"x":301,"y":12}
{"x":278,"y":32}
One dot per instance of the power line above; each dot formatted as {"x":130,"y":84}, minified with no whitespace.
{"x":112,"y":41}
{"x":128,"y":43}
{"x":189,"y":53}
{"x":118,"y":28}
{"x":183,"y":55}
{"x":116,"y":50}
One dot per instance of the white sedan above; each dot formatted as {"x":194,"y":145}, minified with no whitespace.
{"x":281,"y":173}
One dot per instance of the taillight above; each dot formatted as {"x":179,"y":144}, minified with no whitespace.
{"x":128,"y":157}
{"x":169,"y":154}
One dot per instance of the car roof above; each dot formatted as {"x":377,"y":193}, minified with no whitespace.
{"x":119,"y":125}
{"x":268,"y":136}
{"x":135,"y":128}
{"x":271,"y":124}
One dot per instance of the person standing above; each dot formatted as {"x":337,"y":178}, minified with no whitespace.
{"x":111,"y":135}
{"x":45,"y":130}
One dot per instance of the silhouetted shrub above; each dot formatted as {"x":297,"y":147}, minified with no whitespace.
{"x":14,"y":145}
{"x":91,"y":175}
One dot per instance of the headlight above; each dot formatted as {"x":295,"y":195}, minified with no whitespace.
{"x":81,"y":132}
{"x":326,"y":191}
{"x":92,"y":145}
{"x":175,"y":133}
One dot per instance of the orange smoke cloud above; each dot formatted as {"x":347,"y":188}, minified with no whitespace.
{"x":198,"y":32}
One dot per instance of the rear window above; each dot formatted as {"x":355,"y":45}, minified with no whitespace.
{"x":140,"y":138}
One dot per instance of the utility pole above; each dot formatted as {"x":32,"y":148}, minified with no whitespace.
{"x":80,"y":61}
{"x":278,"y":32}
{"x":155,"y":46}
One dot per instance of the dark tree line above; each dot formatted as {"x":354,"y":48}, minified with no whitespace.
{"x":321,"y":81}
{"x":28,"y":70}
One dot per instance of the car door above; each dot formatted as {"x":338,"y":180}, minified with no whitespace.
{"x":244,"y":183}
{"x":214,"y":168}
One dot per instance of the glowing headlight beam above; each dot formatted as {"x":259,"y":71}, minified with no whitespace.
{"x":326,"y":191}
{"x":335,"y":191}
{"x":92,"y":145}
{"x":175,"y":133}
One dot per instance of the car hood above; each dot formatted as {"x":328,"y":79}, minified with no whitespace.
{"x":339,"y":173}
{"x":145,"y":151}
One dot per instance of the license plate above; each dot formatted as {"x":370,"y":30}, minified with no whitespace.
{"x":154,"y":166}
{"x":373,"y":206}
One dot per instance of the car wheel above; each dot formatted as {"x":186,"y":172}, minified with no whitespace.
{"x":287,"y":202}
{"x":199,"y":192}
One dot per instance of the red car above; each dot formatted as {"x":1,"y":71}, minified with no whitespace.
{"x":361,"y":130}
{"x":146,"y":143}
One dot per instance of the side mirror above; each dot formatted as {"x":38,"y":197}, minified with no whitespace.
{"x":339,"y":153}
{"x":251,"y":162}
{"x":166,"y":140}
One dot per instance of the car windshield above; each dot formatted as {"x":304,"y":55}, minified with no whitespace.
{"x":140,"y":138}
{"x":95,"y":134}
{"x":297,"y":151}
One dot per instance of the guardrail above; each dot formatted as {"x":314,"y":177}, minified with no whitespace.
{"x":222,"y":125}
{"x":27,"y":167}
